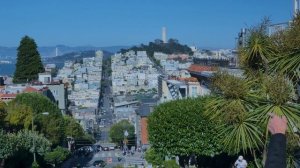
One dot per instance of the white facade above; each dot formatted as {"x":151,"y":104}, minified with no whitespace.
{"x":45,"y":78}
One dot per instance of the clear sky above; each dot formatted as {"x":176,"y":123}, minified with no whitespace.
{"x":209,"y":23}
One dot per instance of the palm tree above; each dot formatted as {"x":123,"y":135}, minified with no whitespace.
{"x":287,"y":43}
{"x":255,"y":55}
{"x":231,"y":107}
{"x":241,"y":108}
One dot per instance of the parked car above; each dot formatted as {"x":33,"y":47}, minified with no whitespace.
{"x":99,"y":163}
{"x":106,"y":148}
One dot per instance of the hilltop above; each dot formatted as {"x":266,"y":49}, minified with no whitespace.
{"x":171,"y":47}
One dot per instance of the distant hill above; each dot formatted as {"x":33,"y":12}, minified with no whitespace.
{"x":62,"y":49}
{"x":74,"y":56}
{"x":171,"y":47}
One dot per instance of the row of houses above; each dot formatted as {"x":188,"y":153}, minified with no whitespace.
{"x":84,"y":84}
{"x":133,"y":72}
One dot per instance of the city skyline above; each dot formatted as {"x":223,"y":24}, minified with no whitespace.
{"x":113,"y":23}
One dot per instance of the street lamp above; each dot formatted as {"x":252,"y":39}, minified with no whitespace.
{"x":125,"y":145}
{"x":125,"y":140}
{"x":32,"y":129}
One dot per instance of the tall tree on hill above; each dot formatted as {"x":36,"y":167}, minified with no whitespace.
{"x":29,"y":62}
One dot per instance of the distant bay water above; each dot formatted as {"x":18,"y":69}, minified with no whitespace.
{"x":9,"y":69}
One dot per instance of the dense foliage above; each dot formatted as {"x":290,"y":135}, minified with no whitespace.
{"x":116,"y":132}
{"x":29,"y":62}
{"x":57,"y":156}
{"x":179,"y":128}
{"x":3,"y":113}
{"x":11,"y":143}
{"x":153,"y":157}
{"x":241,"y":106}
{"x":28,"y":105}
{"x":54,"y":126}
{"x":72,"y":128}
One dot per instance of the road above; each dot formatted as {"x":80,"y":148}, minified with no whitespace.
{"x":106,"y":117}
{"x":112,"y":158}
{"x":106,"y":112}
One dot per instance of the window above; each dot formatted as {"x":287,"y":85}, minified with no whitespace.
{"x":194,"y":91}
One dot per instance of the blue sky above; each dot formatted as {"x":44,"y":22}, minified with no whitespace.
{"x":204,"y":23}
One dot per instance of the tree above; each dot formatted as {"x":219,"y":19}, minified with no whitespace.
{"x":3,"y":113}
{"x":179,"y":128}
{"x":275,"y":90}
{"x":57,"y":156}
{"x":230,"y":107}
{"x":116,"y":132}
{"x":19,"y":115}
{"x":73,"y":128}
{"x":287,"y":44}
{"x":170,"y":163}
{"x":29,"y":62}
{"x":10,"y":143}
{"x":257,"y":52}
{"x":28,"y":105}
{"x":241,"y":106}
{"x":153,"y":157}
{"x":6,"y":146}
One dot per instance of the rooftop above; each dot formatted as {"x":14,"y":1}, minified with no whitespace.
{"x":200,"y":68}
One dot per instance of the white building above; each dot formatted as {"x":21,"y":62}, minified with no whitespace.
{"x":45,"y":78}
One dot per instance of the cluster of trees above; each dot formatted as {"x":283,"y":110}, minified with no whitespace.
{"x":52,"y":130}
{"x":171,"y":47}
{"x":233,"y":119}
{"x":116,"y":133}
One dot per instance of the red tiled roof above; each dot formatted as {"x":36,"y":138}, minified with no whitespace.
{"x":8,"y":95}
{"x":190,"y":79}
{"x":30,"y":89}
{"x":200,"y":68}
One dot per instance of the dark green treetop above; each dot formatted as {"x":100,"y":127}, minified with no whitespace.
{"x":29,"y":62}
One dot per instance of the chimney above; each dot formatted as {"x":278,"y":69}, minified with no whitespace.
{"x":1,"y":81}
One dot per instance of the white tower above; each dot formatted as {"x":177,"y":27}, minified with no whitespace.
{"x":164,"y":34}
{"x":296,"y":7}
{"x":56,"y":51}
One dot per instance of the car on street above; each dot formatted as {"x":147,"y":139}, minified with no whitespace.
{"x":99,"y":163}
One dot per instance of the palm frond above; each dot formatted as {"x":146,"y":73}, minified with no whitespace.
{"x":242,"y":136}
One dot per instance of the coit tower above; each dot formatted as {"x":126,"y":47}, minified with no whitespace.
{"x":164,"y":34}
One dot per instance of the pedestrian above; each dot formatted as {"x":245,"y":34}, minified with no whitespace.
{"x":240,"y":162}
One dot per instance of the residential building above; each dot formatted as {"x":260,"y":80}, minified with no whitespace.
{"x":146,"y":107}
{"x":45,"y":78}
